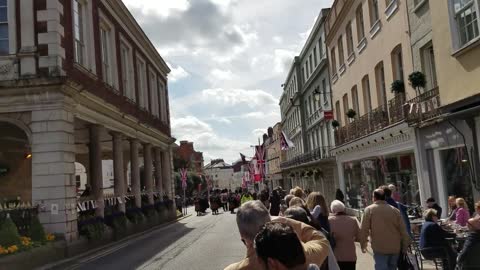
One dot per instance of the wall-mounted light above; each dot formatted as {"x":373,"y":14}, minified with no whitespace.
{"x":28,"y":155}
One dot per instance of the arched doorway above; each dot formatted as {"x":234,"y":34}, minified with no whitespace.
{"x":15,"y":164}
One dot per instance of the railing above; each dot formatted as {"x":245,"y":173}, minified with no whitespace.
{"x":314,"y":155}
{"x":423,"y":107}
{"x":377,"y":119}
{"x":314,"y":117}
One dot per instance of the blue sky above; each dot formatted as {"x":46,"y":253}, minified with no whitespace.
{"x":228,"y":60}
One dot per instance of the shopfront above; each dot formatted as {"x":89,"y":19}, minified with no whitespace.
{"x":384,"y":158}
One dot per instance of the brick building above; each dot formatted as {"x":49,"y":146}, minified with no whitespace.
{"x":186,"y":155}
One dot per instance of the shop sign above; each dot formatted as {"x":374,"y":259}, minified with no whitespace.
{"x":328,"y":115}
{"x":4,"y":170}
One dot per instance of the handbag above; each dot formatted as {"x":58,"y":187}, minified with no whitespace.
{"x":407,"y":261}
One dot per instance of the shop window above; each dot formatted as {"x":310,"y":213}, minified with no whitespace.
{"x":4,"y":47}
{"x":457,"y":178}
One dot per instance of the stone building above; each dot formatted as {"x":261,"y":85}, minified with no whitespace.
{"x":445,"y":49}
{"x":80,"y":82}
{"x":274,"y":157}
{"x":220,"y":174}
{"x":306,"y":111}
{"x":369,"y":47}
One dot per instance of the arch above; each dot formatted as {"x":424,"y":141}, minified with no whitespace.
{"x":19,"y":124}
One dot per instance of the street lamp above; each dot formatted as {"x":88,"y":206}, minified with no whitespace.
{"x":317,"y":94}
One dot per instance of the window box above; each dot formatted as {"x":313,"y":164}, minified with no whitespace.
{"x":391,"y":9}
{"x":375,"y":29}
{"x":419,"y":5}
{"x":362,"y":45}
{"x":351,"y":59}
{"x":342,"y":69}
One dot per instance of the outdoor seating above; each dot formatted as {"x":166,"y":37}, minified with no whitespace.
{"x":436,"y":255}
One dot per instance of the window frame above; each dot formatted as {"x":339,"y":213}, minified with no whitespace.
{"x":458,"y":44}
{"x":106,"y":50}
{"x":429,"y":65}
{"x":341,"y":53}
{"x":374,"y":12}
{"x":7,"y":25}
{"x":142,"y":82}
{"x":79,"y":46}
{"x":349,"y":37}
{"x":360,"y":24}
{"x":128,"y":79}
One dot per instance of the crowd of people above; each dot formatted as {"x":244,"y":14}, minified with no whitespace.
{"x":299,"y":230}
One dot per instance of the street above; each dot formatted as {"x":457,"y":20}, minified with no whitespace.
{"x":204,"y":242}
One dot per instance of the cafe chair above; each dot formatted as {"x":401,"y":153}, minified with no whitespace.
{"x":472,"y":260}
{"x":436,"y":255}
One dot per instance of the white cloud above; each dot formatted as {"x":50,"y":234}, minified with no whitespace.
{"x":177,"y":73}
{"x":218,"y":74}
{"x":231,"y":97}
{"x":258,"y":132}
{"x":277,"y":39}
{"x":162,"y":8}
{"x":283,"y":60}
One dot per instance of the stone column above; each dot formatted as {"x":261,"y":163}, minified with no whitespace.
{"x":148,"y":171}
{"x":96,"y":176}
{"x":167,"y":172}
{"x":53,"y":171}
{"x":135,"y":172}
{"x":158,"y":172}
{"x":118,"y":171}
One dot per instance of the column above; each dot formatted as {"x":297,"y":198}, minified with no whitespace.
{"x":135,"y":172}
{"x":27,"y":50}
{"x":53,"y":171}
{"x":96,"y":176}
{"x":118,"y":171}
{"x":148,"y":171}
{"x":167,"y":171}
{"x":158,"y":172}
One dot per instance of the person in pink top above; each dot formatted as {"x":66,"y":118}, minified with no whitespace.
{"x":462,"y":214}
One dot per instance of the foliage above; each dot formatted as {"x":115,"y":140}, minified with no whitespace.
{"x":93,"y":227}
{"x":335,"y":124}
{"x":135,"y":215}
{"x":193,"y":181}
{"x":149,"y":210}
{"x":118,"y":221}
{"x":36,"y":232}
{"x":398,"y":86}
{"x":8,"y":233}
{"x":351,"y":113}
{"x":417,"y":80}
{"x":50,"y":237}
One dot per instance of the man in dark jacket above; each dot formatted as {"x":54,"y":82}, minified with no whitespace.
{"x":401,"y":207}
{"x":433,"y":240}
{"x":432,"y":204}
{"x":468,"y":258}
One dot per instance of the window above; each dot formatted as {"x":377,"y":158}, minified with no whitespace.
{"x":466,"y":20}
{"x":310,"y":107}
{"x":397,"y":63}
{"x":105,"y":42}
{"x":320,"y":47}
{"x":78,"y":20}
{"x":345,"y":108}
{"x":304,"y":75}
{"x":360,"y":23}
{"x":374,"y":15}
{"x":380,"y":79}
{"x":127,"y":80}
{"x":367,"y":99}
{"x":338,"y":114}
{"x":163,"y":100}
{"x":428,"y":66}
{"x":349,"y":39}
{"x":356,"y":108}
{"x":311,"y":64}
{"x":333,"y":61}
{"x":142,"y":85}
{"x":315,"y":56}
{"x":4,"y":47}
{"x":308,"y":70}
{"x":324,"y":88}
{"x":341,"y":59}
{"x":153,"y":94}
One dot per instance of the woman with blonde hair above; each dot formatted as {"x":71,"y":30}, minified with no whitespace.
{"x":318,"y":208}
{"x":462,"y":214}
{"x":452,"y":214}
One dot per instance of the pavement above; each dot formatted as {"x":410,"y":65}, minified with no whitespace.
{"x":195,"y":243}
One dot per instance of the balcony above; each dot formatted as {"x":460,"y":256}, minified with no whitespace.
{"x":375,"y":120}
{"x":423,"y":107}
{"x":318,"y":154}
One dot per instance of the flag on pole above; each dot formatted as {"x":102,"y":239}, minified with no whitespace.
{"x":183,"y":173}
{"x":242,"y":156}
{"x":260,"y":158}
{"x":285,"y":143}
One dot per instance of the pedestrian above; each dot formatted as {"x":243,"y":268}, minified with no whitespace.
{"x":298,"y":192}
{"x":265,"y":197}
{"x":433,"y":205}
{"x":386,"y":229}
{"x":462,"y":214}
{"x":232,"y":202}
{"x":401,"y":207}
{"x":318,"y":208}
{"x":452,"y":214}
{"x":275,"y":203}
{"x":345,"y":231}
{"x":278,"y":247}
{"x":433,"y":240}
{"x":246,"y":197}
{"x":252,"y":215}
{"x":468,"y":257}
{"x":224,"y":199}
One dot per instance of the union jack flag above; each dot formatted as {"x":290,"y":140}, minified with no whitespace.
{"x":260,"y":158}
{"x":183,"y":173}
{"x":251,"y":171}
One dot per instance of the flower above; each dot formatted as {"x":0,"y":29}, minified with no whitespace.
{"x":12,"y":249}
{"x":50,"y":237}
{"x":3,"y":251}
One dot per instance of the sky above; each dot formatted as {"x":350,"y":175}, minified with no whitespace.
{"x":228,"y":59}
